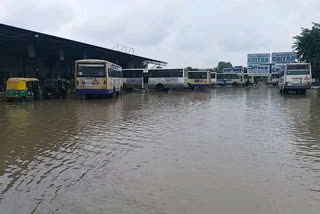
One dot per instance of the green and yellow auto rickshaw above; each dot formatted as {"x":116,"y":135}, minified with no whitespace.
{"x":22,"y":89}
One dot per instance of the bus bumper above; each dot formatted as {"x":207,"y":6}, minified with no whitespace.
{"x":94,"y":91}
{"x":296,"y":87}
{"x":200,"y":85}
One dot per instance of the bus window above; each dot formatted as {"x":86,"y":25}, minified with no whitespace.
{"x":197,"y":75}
{"x":220,"y":76}
{"x":91,"y":70}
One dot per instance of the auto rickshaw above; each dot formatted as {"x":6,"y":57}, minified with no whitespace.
{"x":56,"y":87}
{"x":22,"y":89}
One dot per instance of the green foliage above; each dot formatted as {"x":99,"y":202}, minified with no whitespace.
{"x":307,"y":47}
{"x":192,"y":69}
{"x":222,"y":65}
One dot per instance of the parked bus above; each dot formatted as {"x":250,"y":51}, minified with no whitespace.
{"x":213,"y":78}
{"x":234,"y":79}
{"x":97,"y":77}
{"x":201,"y":78}
{"x":132,"y":78}
{"x":295,"y":77}
{"x":167,"y":78}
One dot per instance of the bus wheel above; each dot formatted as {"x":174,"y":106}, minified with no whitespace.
{"x":159,"y":87}
{"x":235,"y":84}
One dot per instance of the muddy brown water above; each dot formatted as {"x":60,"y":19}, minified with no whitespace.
{"x":245,"y":150}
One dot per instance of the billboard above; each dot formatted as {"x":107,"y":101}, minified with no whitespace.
{"x":283,"y":57}
{"x":278,"y":68}
{"x":233,"y":70}
{"x":258,"y":59}
{"x":259,"y":69}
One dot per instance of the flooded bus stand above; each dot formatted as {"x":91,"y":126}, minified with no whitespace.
{"x":224,"y":150}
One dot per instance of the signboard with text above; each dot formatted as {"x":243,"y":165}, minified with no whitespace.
{"x":283,"y":57}
{"x":233,"y":70}
{"x":278,"y":68}
{"x":258,"y":59}
{"x":259,"y":69}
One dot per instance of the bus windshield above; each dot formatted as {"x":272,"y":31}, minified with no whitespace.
{"x":298,"y":72}
{"x":298,"y":69}
{"x":197,"y":75}
{"x":132,"y":73}
{"x":91,"y":70}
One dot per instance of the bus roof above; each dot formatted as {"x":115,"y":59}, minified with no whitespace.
{"x":166,"y":69}
{"x":134,"y":69}
{"x":18,"y":79}
{"x":97,"y":61}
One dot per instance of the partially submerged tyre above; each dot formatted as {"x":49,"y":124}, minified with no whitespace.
{"x":235,"y":84}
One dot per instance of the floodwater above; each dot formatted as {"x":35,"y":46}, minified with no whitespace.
{"x":245,"y":150}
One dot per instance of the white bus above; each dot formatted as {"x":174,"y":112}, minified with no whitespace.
{"x":132,"y":78}
{"x":213,"y":78}
{"x":160,"y":78}
{"x":97,"y":77}
{"x":234,"y":79}
{"x":200,"y":78}
{"x":295,"y":77}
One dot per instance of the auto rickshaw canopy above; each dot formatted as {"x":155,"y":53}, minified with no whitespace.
{"x":19,"y":83}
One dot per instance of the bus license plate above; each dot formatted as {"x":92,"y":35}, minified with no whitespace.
{"x":86,"y":83}
{"x":297,"y":80}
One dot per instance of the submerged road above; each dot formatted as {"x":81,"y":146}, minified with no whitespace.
{"x":227,"y":150}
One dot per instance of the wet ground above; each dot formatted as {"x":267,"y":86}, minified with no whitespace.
{"x":245,"y":150}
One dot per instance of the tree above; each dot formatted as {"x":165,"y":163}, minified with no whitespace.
{"x":307,"y":47}
{"x":222,"y":65}
{"x":189,"y":68}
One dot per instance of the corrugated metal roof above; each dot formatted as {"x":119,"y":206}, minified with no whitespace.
{"x":15,"y":33}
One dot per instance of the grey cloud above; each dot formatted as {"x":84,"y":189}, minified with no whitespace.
{"x":36,"y":16}
{"x":195,"y":33}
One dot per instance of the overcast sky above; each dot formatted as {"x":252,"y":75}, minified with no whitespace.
{"x":183,"y":33}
